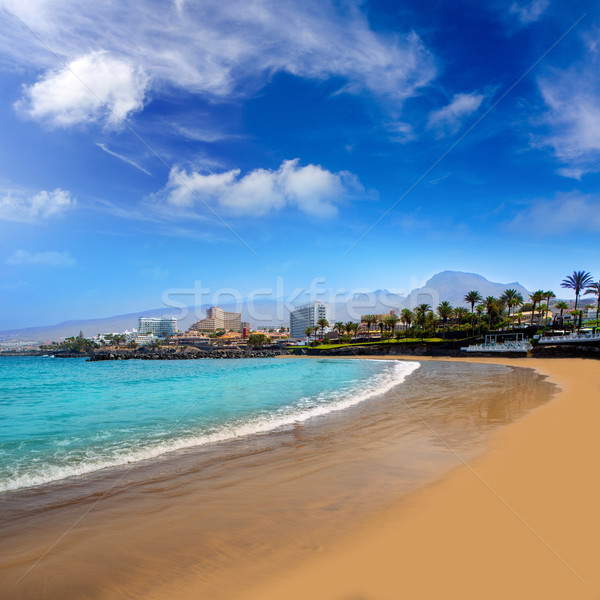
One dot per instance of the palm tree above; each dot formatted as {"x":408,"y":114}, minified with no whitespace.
{"x":406,"y":316}
{"x":460,"y":312}
{"x":472,"y":298}
{"x":421,"y":314}
{"x":562,"y":306}
{"x":381,"y":325}
{"x":350,"y":327}
{"x":322,"y":323}
{"x":512,"y":298}
{"x":479,"y":310}
{"x":543,"y":309}
{"x":548,"y":295}
{"x":536,"y":298}
{"x":444,"y":311}
{"x":391,"y":321}
{"x":339,"y":327}
{"x":594,"y":288}
{"x":308,"y":331}
{"x":577,"y":282}
{"x":432,"y":322}
{"x":368,"y":320}
{"x":491,"y":307}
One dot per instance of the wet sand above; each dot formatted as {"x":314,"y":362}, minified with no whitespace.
{"x":521,"y":521}
{"x":325,"y":510}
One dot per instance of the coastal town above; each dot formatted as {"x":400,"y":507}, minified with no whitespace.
{"x":508,"y":323}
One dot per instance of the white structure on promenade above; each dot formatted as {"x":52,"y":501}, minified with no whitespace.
{"x":158,"y":326}
{"x":306,"y":316}
{"x":511,"y":343}
{"x":571,"y":338}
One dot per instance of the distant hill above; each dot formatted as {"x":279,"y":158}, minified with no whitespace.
{"x":448,"y":285}
{"x":89,"y":327}
{"x":453,"y":285}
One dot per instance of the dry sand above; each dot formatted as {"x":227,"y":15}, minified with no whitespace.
{"x":522,"y":521}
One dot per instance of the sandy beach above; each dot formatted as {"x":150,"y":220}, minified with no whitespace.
{"x":522,"y":521}
{"x":500,"y":499}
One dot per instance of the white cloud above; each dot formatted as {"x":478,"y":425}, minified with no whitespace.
{"x":565,"y":213}
{"x":400,"y":132}
{"x":312,"y":189}
{"x":530,"y":13}
{"x":94,"y":87}
{"x":448,"y":119}
{"x":219,"y":49}
{"x":51,"y":258}
{"x":572,"y":99}
{"x":18,"y":206}
{"x":123,"y":158}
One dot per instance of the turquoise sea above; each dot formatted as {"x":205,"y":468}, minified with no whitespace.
{"x":61,"y":418}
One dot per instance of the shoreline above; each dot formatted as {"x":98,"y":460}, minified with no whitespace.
{"x":261,"y":505}
{"x":521,"y":520}
{"x":173,"y":451}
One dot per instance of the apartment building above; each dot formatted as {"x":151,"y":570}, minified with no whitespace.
{"x":217,"y":318}
{"x":306,"y":316}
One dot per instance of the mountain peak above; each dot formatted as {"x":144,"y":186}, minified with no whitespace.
{"x":453,"y":285}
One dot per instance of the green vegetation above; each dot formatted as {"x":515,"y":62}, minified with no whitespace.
{"x":72,"y":344}
{"x":258,"y":340}
{"x":379,"y":342}
{"x":424,"y":324}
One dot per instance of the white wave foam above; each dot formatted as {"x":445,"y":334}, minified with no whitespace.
{"x":374,"y":386}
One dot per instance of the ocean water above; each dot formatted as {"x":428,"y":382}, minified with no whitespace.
{"x":61,"y":418}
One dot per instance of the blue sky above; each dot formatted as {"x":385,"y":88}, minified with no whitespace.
{"x":149,"y":146}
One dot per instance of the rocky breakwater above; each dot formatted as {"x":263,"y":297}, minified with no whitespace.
{"x":566,"y":351}
{"x":178,"y":353}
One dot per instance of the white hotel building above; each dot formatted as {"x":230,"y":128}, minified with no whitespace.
{"x":306,"y":316}
{"x":158,"y":326}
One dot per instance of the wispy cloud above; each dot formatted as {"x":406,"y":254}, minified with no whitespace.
{"x":218,"y":49}
{"x":563,"y":214}
{"x":156,"y":273}
{"x":94,"y":87}
{"x":201,"y":134}
{"x":51,"y":258}
{"x":400,"y":132}
{"x":449,"y":119}
{"x":16,"y":286}
{"x":123,"y":158}
{"x":572,"y":117}
{"x":17,"y":205}
{"x":312,"y":189}
{"x":530,"y":12}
